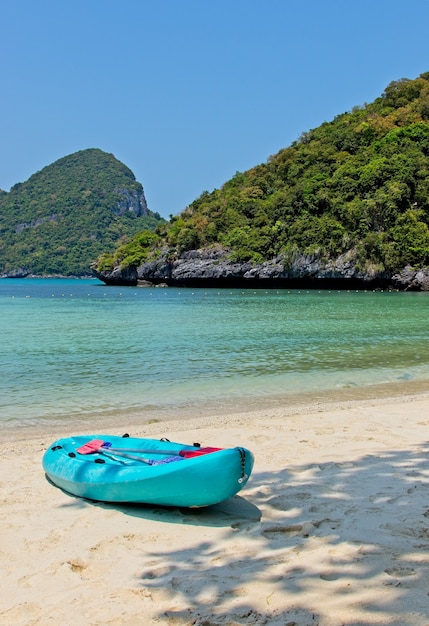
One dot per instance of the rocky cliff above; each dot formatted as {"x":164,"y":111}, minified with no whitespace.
{"x":131,"y":202}
{"x":212,"y":268}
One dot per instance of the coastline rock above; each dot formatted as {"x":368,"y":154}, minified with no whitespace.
{"x":19,"y":272}
{"x":126,"y":276}
{"x":410,"y":279}
{"x":213,"y":268}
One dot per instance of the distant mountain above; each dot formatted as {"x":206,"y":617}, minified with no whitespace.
{"x":64,"y":216}
{"x":347,"y":200}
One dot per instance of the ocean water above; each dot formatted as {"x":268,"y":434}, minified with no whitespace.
{"x":73,"y":351}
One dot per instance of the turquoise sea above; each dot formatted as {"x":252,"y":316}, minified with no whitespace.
{"x":75,"y":350}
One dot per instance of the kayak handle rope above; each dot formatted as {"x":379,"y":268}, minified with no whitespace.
{"x":243,"y":465}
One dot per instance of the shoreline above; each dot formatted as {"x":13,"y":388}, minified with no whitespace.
{"x":331,"y":529}
{"x":150,"y":420}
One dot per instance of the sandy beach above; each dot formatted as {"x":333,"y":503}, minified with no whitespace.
{"x":332,"y":528}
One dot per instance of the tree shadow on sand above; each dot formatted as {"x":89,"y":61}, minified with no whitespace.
{"x":353,"y":535}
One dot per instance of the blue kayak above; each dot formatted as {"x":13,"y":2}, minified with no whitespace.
{"x":109,"y":468}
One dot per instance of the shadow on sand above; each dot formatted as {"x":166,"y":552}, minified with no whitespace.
{"x":363,"y":526}
{"x":232,"y":512}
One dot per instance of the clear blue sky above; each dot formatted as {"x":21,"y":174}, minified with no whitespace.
{"x":187,"y":92}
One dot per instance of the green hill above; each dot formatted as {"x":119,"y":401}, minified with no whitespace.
{"x":63,"y":217}
{"x":357,"y":185}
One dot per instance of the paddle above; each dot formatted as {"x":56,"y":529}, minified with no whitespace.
{"x":141,"y":459}
{"x":97,"y":445}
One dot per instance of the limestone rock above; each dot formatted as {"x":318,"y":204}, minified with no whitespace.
{"x":213,"y":268}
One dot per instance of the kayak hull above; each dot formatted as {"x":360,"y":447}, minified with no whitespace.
{"x":114,"y":476}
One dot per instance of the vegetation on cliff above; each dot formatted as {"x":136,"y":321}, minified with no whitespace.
{"x":66,"y":215}
{"x":359,"y":183}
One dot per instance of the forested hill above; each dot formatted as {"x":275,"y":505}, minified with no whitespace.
{"x":356,"y":187}
{"x":64,"y":216}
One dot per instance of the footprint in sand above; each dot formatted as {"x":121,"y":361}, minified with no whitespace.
{"x":329,"y":576}
{"x":305,"y":529}
{"x":157,"y":573}
{"x":77,"y":565}
{"x":284,"y":502}
{"x":292,"y":530}
{"x":400,"y":572}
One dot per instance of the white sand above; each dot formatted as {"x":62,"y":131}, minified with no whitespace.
{"x":332,"y":529}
